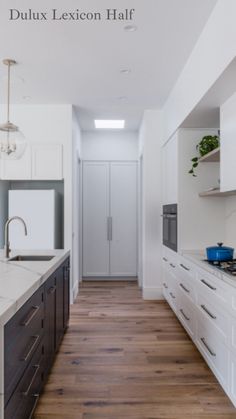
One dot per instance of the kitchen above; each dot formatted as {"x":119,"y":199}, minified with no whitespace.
{"x":154,"y":151}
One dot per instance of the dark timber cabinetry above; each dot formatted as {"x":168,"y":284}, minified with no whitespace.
{"x":31,"y":339}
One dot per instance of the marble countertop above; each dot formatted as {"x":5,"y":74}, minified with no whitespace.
{"x":198,"y":257}
{"x":19,"y":280}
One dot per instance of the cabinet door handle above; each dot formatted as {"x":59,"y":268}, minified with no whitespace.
{"x":172,"y":295}
{"x":208,"y":285}
{"x":186,"y":317}
{"x":25,"y":393}
{"x":30,"y":316}
{"x":52,"y":289}
{"x":35,"y":341}
{"x":208,"y":347}
{"x":208,"y":312}
{"x":165,"y":260}
{"x":184,"y":288}
{"x":172,"y":265}
{"x":111,"y":228}
{"x":165,"y":286}
{"x":184,"y":267}
{"x":108,"y":228}
{"x":36,"y":396}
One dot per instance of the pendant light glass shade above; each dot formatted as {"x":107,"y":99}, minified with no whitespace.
{"x":12,"y":141}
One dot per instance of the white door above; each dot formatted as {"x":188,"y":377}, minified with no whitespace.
{"x":123,"y":212}
{"x":109,"y":219}
{"x":95,"y":218}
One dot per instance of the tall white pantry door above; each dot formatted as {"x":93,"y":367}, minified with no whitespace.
{"x":109,"y":219}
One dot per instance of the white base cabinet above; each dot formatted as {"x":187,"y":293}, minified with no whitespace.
{"x":206,"y":308}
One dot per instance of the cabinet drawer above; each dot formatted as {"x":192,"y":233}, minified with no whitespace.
{"x":212,"y":347}
{"x":23,"y":401}
{"x":22,"y":334}
{"x":185,"y":269}
{"x":212,"y":287}
{"x":213,"y":313}
{"x":187,"y":315}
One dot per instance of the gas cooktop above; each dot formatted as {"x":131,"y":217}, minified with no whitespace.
{"x":228,"y":266}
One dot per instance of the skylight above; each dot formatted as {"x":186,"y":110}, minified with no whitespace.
{"x":109,"y":123}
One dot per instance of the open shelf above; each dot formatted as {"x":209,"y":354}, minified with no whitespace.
{"x":212,"y":157}
{"x":216,"y":192}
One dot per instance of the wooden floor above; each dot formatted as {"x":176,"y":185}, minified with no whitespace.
{"x":123,"y":357}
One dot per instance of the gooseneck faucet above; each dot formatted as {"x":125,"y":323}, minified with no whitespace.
{"x":7,"y":243}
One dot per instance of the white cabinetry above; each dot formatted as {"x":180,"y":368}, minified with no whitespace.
{"x":228,"y":144}
{"x":169,"y":170}
{"x":109,"y":219}
{"x":205,"y":306}
{"x":39,"y":162}
{"x":17,"y":169}
{"x":47,"y":161}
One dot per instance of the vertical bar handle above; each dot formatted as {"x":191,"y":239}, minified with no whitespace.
{"x":111,"y":226}
{"x":108,"y":228}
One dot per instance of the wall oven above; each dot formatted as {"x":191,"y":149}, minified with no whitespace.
{"x":170,"y":226}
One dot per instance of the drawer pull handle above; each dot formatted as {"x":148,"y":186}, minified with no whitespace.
{"x":208,"y":348}
{"x":172,"y":295}
{"x":208,"y":312}
{"x":184,"y":288}
{"x":184,"y":267}
{"x":52,"y":290}
{"x":30,"y":316}
{"x":36,"y":396}
{"x":186,"y":317}
{"x":165,"y":260}
{"x":26,"y":393}
{"x":172,"y":265}
{"x":165,"y":286}
{"x":208,"y":285}
{"x":35,"y":341}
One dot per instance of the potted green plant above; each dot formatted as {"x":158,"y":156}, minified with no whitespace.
{"x":207,"y":144}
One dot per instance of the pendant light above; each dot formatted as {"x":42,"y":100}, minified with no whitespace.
{"x":12,"y":141}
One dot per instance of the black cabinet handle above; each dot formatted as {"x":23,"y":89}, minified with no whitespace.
{"x":208,"y":285}
{"x":184,"y":267}
{"x":165,"y":286}
{"x":35,"y":341}
{"x":184,"y":288}
{"x":186,"y":317}
{"x":208,"y":312}
{"x":52,"y":289}
{"x":172,"y":295}
{"x":30,"y":316}
{"x":165,"y":260}
{"x":172,"y":265}
{"x":208,"y":347}
{"x":26,"y":393}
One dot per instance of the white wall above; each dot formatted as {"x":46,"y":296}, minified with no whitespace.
{"x":76,"y":206}
{"x":150,"y":138}
{"x":215,"y":49}
{"x":110,"y":145}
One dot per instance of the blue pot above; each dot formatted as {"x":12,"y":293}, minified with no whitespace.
{"x":219,"y":253}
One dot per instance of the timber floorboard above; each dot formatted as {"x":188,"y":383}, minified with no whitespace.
{"x":123,"y":357}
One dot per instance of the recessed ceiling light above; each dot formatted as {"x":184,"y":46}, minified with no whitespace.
{"x":130,"y":28}
{"x":125,"y":71}
{"x":109,"y":123}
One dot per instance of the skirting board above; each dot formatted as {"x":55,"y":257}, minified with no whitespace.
{"x":75,"y":291}
{"x":153,"y":294}
{"x":110,"y":278}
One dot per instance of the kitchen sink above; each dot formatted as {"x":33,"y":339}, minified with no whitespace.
{"x":30,"y":258}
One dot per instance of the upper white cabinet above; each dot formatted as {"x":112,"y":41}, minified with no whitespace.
{"x":170,"y":171}
{"x":17,"y":169}
{"x":228,"y":144}
{"x":39,"y":162}
{"x":47,"y":162}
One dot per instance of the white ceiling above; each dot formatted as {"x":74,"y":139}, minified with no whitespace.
{"x":79,"y":62}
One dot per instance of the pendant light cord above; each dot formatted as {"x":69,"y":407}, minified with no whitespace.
{"x":8,"y":93}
